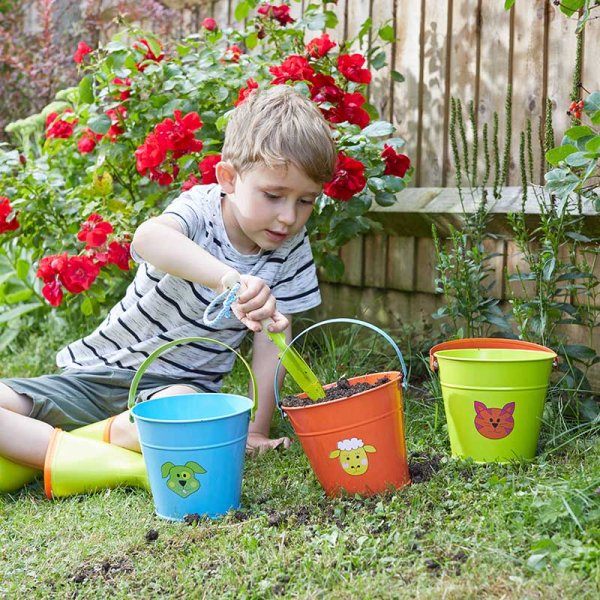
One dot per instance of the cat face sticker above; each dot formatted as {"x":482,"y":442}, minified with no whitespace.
{"x":494,"y":423}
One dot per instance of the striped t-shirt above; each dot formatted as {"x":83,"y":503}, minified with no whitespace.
{"x":159,"y":307}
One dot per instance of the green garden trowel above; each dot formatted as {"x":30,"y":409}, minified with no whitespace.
{"x":295,"y":365}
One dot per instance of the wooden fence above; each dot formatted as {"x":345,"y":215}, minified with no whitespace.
{"x":469,"y":49}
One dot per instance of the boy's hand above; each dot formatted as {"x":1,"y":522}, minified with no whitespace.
{"x":256,"y":302}
{"x":259,"y":443}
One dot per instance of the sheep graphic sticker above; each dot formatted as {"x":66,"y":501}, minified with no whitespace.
{"x":353,"y":455}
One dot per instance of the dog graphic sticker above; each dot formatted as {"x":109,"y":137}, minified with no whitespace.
{"x":182,"y":479}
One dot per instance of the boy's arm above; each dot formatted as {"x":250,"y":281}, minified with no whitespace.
{"x":161,"y":242}
{"x":264,"y":363}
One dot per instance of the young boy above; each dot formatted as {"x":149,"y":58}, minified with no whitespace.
{"x":277,"y":154}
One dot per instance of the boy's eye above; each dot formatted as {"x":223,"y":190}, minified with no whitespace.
{"x":271,"y":196}
{"x":307,"y":201}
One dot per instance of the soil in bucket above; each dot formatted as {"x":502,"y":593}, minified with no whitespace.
{"x":341,"y":389}
{"x":354,"y":437}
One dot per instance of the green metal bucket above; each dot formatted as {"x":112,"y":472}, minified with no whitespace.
{"x":493,"y":397}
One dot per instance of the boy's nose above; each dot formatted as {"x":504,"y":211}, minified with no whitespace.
{"x":287,"y":216}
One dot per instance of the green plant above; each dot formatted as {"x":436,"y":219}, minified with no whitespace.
{"x":462,"y":261}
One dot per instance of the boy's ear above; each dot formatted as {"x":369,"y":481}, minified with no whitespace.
{"x":226,"y":176}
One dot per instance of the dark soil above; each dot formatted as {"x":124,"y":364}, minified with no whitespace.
{"x":108,"y":569}
{"x":342,"y":389}
{"x":423,"y":467}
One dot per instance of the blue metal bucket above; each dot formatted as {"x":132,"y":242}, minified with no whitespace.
{"x":193,"y":446}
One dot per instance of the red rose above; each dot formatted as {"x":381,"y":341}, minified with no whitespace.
{"x":233,"y":53}
{"x":209,"y":24}
{"x":320,"y":46}
{"x":179,"y":134}
{"x":119,"y":254}
{"x":350,"y":67}
{"x":349,"y":109}
{"x":151,"y":153}
{"x":51,"y":266}
{"x":143,"y":46}
{"x":52,"y":291}
{"x":7,"y":224}
{"x":245,"y":92}
{"x":123,"y":85}
{"x":293,"y":68}
{"x":395,"y":164}
{"x":58,"y":127}
{"x":324,"y":89}
{"x":279,"y":13}
{"x":94,"y":231}
{"x":80,"y":53}
{"x":348,"y":179}
{"x":79,"y":273}
{"x":190,"y":182}
{"x":117,"y":118}
{"x":207,"y":168}
{"x":88,"y":140}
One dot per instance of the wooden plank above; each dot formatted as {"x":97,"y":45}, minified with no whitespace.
{"x":493,"y":73}
{"x":463,"y":68}
{"x":406,"y":97}
{"x":400,"y":263}
{"x":220,"y":12}
{"x":527,"y":78}
{"x":352,"y":257}
{"x":562,"y":47}
{"x":591,"y":52}
{"x":382,"y":86}
{"x":433,"y":112}
{"x":339,"y":33}
{"x":425,"y":262}
{"x":375,"y":252}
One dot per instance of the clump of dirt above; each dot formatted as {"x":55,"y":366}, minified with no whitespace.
{"x":342,"y":389}
{"x":151,"y":535}
{"x":108,"y":569}
{"x":422,"y":467}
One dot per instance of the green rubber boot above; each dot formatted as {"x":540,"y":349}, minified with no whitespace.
{"x":76,"y":465}
{"x":96,"y":431}
{"x":14,"y":476}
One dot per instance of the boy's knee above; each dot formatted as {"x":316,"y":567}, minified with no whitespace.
{"x":174,"y":390}
{"x":19,"y":403}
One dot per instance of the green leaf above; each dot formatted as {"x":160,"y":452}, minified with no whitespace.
{"x":593,"y":145}
{"x":387,"y":33}
{"x":555,"y":155}
{"x":13,"y":313}
{"x":315,"y":21}
{"x":376,"y":184}
{"x":86,"y":90}
{"x":508,"y":4}
{"x":393,"y":184}
{"x":569,"y":7}
{"x":385,"y":199}
{"x":578,"y":159}
{"x":397,"y":76}
{"x":333,"y":266}
{"x":378,"y":61}
{"x":241,"y":11}
{"x":378,"y":129}
{"x":251,"y":40}
{"x":331,"y":19}
{"x":591,"y":104}
{"x":100,"y":124}
{"x":579,"y":352}
{"x":87,"y":307}
{"x":579,"y":131}
{"x":19,"y":296}
{"x":22,"y":269}
{"x":8,"y":336}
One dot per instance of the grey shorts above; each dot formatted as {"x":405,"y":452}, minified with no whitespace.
{"x":77,"y":397}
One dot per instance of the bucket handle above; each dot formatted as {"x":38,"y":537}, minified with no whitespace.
{"x":466,"y":343}
{"x":161,"y":349}
{"x":329,"y":322}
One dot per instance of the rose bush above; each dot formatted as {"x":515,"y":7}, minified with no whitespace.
{"x":146,"y":121}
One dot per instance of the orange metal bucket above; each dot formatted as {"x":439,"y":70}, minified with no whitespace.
{"x":356,"y":444}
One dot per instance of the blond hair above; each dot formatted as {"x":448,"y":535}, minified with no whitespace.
{"x":276,"y":127}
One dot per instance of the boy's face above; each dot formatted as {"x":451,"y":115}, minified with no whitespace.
{"x":265,"y":206}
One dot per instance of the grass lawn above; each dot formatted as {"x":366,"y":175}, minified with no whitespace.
{"x":461,"y":530}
